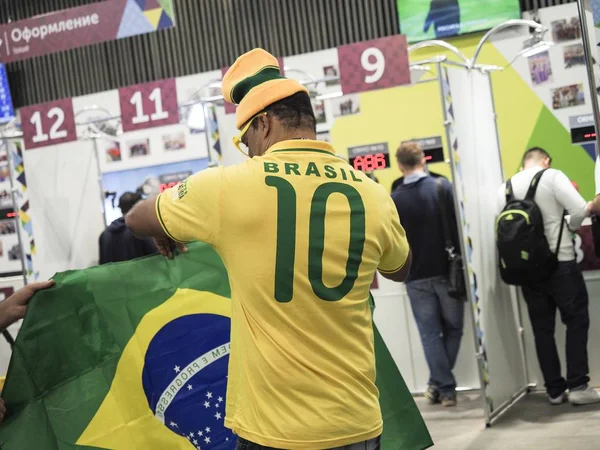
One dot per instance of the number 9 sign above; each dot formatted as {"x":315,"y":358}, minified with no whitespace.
{"x":48,"y":124}
{"x":378,"y":64}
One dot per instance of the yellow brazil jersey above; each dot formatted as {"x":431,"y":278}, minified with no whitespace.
{"x":301,"y":234}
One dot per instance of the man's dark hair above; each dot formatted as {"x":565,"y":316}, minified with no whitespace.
{"x":294,"y":112}
{"x":537,"y":153}
{"x":128,"y":201}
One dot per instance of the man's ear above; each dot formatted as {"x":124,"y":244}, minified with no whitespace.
{"x":264,"y":125}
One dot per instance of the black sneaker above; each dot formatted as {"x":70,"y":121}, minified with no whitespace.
{"x":448,"y":400}
{"x":432,"y":395}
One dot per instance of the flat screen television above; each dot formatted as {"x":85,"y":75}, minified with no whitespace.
{"x":421,"y":20}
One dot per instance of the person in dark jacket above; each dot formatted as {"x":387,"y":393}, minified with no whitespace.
{"x":444,"y":15}
{"x":117,"y":242}
{"x":439,"y":317}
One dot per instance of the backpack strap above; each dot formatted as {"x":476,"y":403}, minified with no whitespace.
{"x":510,"y":196}
{"x":560,"y":234}
{"x":534,"y":185}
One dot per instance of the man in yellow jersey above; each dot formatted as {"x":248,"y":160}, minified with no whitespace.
{"x":302,"y":235}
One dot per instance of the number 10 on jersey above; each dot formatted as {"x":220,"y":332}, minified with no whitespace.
{"x":149,"y":105}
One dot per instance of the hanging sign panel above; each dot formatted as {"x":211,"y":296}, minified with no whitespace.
{"x":149,"y":105}
{"x":48,"y":124}
{"x":86,"y":25}
{"x":379,"y":64}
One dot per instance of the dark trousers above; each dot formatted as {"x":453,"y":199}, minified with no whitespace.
{"x":373,"y":444}
{"x":565,"y":290}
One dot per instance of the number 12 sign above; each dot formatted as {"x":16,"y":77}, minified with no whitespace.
{"x":379,"y":64}
{"x":149,"y":105}
{"x":48,"y":124}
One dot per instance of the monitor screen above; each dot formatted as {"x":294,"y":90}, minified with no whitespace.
{"x":421,"y":20}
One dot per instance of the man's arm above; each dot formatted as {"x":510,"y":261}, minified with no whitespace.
{"x":402,"y":274}
{"x":396,"y":259}
{"x":594,"y":207}
{"x":143,"y":221}
{"x":571,"y":200}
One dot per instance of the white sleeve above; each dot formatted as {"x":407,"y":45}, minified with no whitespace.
{"x":598,"y":176}
{"x":571,"y":200}
{"x":501,"y":202}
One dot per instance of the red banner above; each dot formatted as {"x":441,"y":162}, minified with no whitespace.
{"x":85,"y":25}
{"x":149,"y":105}
{"x":48,"y":124}
{"x":378,"y":64}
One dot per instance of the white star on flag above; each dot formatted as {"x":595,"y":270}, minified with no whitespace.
{"x":206,"y":405}
{"x":218,"y":416}
{"x":177,"y":369}
{"x":216,"y":405}
{"x":190,"y":387}
{"x":209,"y":395}
{"x":207,"y":429}
{"x":173,"y":424}
{"x":227,"y":439}
{"x":192,"y":434}
{"x":200,"y":433}
{"x":207,"y":440}
{"x":220,"y":399}
{"x":195,"y":442}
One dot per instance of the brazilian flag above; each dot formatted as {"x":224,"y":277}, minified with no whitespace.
{"x":134,"y":356}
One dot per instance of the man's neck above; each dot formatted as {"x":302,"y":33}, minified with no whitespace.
{"x":413,"y":171}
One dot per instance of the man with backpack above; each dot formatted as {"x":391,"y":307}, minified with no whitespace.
{"x":536,"y":252}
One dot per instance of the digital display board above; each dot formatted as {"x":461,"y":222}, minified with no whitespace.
{"x":371,"y":157}
{"x":7,"y":110}
{"x":583,"y":129}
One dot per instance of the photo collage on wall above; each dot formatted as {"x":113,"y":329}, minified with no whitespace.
{"x":566,"y":34}
{"x":117,"y":150}
{"x":10,"y":252}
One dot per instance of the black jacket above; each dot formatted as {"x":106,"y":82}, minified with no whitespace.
{"x":117,"y":243}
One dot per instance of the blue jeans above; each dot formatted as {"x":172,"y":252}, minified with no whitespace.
{"x":373,"y":444}
{"x":440,"y":320}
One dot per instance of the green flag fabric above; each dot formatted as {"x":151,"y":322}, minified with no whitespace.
{"x":134,"y":356}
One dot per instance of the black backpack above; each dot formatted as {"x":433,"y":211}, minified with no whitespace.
{"x":525,"y":256}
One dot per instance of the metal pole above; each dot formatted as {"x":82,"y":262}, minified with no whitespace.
{"x":17,"y":210}
{"x":464,"y":249}
{"x":590,"y":70}
{"x":207,"y":131}
{"x":102,"y":196}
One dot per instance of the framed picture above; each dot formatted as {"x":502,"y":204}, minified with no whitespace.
{"x":568,"y":96}
{"x":540,"y":68}
{"x":112,"y":150}
{"x":174,"y":141}
{"x":565,"y":30}
{"x":331,"y":71}
{"x":346,"y":106}
{"x":138,"y":147}
{"x":319,"y":109}
{"x":574,"y":55}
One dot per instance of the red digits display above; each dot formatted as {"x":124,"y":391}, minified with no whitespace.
{"x":369,"y":163}
{"x":165,"y":186}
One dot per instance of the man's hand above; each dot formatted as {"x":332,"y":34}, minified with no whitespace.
{"x":593,"y":207}
{"x":167,"y":246}
{"x":14,"y":307}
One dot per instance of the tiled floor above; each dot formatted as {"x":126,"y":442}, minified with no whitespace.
{"x":530,"y":424}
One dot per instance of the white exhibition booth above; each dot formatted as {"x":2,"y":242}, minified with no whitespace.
{"x":497,"y":354}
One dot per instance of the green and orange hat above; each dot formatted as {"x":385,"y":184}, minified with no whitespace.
{"x":254,"y":82}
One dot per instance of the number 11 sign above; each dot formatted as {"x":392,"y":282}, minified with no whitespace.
{"x":149,"y":105}
{"x":379,"y":64}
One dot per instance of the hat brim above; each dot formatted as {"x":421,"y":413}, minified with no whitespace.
{"x":264,"y":95}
